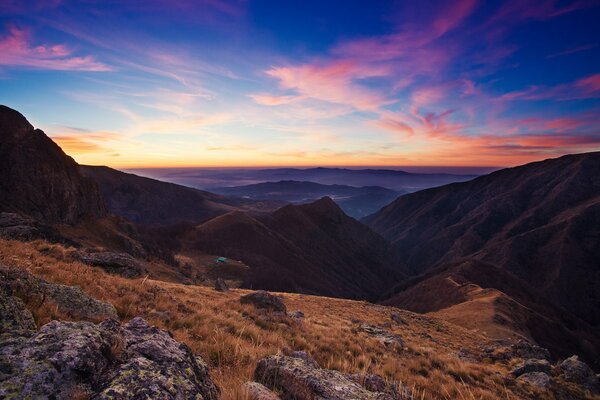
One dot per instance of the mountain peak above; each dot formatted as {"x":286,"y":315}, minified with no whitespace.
{"x":38,"y":179}
{"x":13,"y":123}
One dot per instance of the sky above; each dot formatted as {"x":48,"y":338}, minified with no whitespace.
{"x":215,"y":83}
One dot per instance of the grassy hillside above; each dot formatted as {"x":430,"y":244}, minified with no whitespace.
{"x":232,"y":337}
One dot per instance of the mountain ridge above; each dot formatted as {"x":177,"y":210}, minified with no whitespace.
{"x":38,"y":179}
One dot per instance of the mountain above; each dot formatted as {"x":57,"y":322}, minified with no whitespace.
{"x":392,"y":179}
{"x":145,"y":200}
{"x":208,"y":178}
{"x":311,"y":248}
{"x":357,"y":202}
{"x":540,"y":221}
{"x":481,"y":296}
{"x":38,"y":179}
{"x":516,"y":252}
{"x":148,"y":201}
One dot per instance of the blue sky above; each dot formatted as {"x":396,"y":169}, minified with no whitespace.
{"x":268,"y":83}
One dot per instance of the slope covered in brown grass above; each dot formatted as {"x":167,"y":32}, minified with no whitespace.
{"x":481,"y":296}
{"x":232,"y":337}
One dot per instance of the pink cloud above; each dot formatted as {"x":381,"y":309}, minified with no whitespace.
{"x":396,"y":126}
{"x":427,"y":96}
{"x":590,"y":84}
{"x":266,"y":99}
{"x":407,"y":40}
{"x":332,"y":82}
{"x":17,"y":51}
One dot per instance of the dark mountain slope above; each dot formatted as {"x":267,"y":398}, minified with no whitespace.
{"x":312,"y":248}
{"x":38,"y":179}
{"x":481,"y":296}
{"x":146,"y":200}
{"x":357,"y":202}
{"x":149,"y":201}
{"x":540,"y":221}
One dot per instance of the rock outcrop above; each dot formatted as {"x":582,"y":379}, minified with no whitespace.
{"x":265,"y":301}
{"x":385,"y":337}
{"x":117,"y":263}
{"x":221,"y":285}
{"x":14,"y":317}
{"x":69,"y":299}
{"x":299,"y":379}
{"x":575,"y":371}
{"x":256,"y":391}
{"x":38,"y":179}
{"x":531,"y":366}
{"x":105,"y":361}
{"x":521,"y":349}
{"x":14,"y":226}
{"x":540,"y":380}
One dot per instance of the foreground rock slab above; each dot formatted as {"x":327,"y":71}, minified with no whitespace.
{"x":65,"y":360}
{"x":117,"y":263}
{"x":299,"y":379}
{"x":69,"y":299}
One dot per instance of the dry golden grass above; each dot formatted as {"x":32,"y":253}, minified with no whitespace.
{"x":232,"y":337}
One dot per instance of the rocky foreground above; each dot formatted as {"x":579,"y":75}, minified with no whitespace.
{"x":91,"y":355}
{"x":66,"y":360}
{"x":110,"y":360}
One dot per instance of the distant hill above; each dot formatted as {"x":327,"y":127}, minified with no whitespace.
{"x":208,"y":178}
{"x":311,"y":248}
{"x":38,"y":179}
{"x":357,"y":202}
{"x":149,"y":201}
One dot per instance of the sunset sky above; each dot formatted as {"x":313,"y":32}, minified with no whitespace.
{"x":161,"y":83}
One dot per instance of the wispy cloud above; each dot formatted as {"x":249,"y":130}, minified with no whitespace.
{"x":583,"y":88}
{"x":572,"y":50}
{"x":335,"y":82}
{"x":18,"y":50}
{"x":82,"y":141}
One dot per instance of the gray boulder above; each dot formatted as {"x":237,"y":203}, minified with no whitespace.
{"x":69,"y":299}
{"x":104,"y":361}
{"x":256,"y":391}
{"x":528,"y":366}
{"x":18,"y":227}
{"x":297,"y":316}
{"x":299,"y":379}
{"x":540,"y":380}
{"x":221,"y":285}
{"x":385,"y":337}
{"x":14,"y":226}
{"x":118,"y":263}
{"x":264,"y":300}
{"x":305,"y":356}
{"x":14,"y":317}
{"x":507,"y":350}
{"x":375,"y":383}
{"x":576,"y":371}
